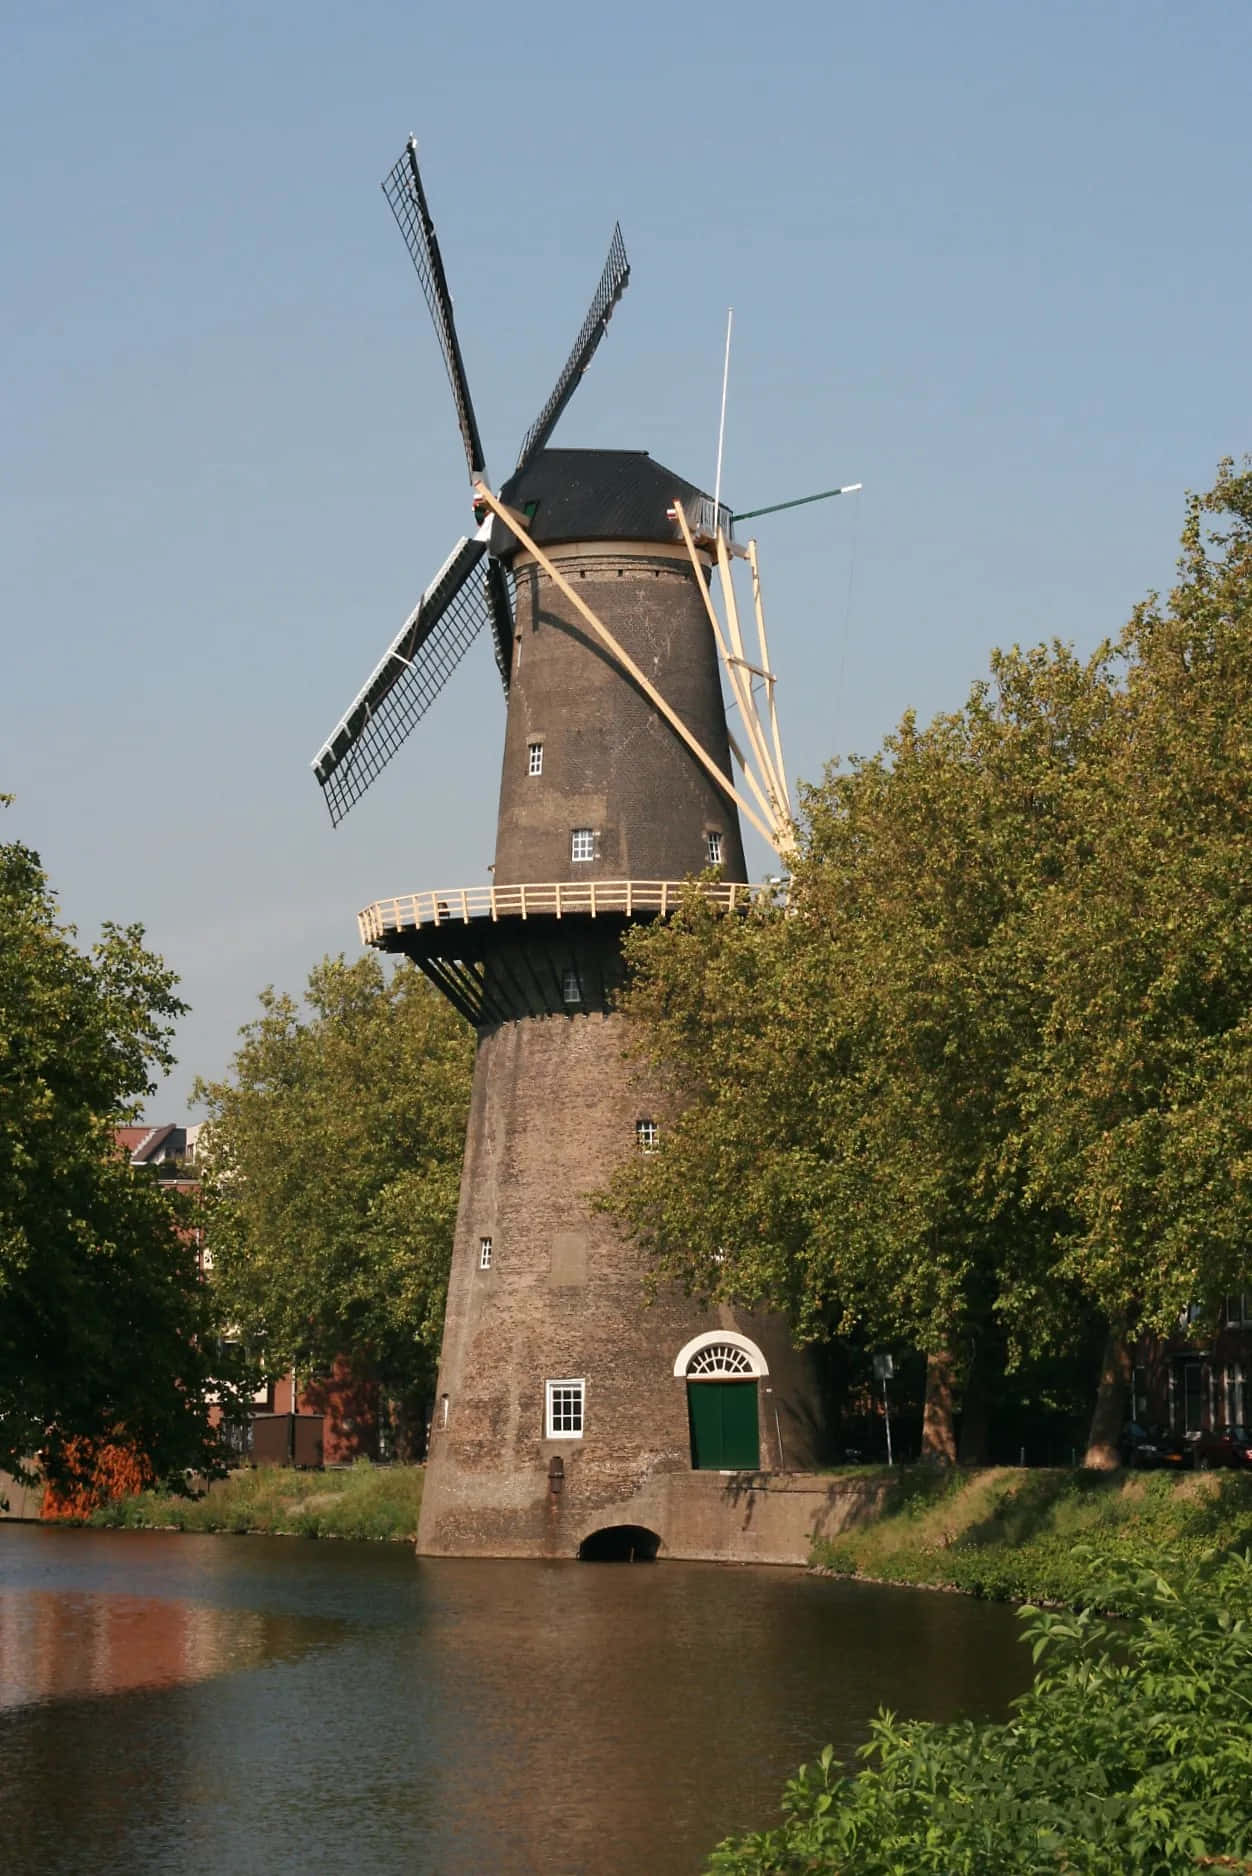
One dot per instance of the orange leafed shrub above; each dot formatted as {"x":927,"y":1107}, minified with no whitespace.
{"x":96,"y":1474}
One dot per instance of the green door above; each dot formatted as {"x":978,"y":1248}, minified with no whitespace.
{"x":723,"y":1419}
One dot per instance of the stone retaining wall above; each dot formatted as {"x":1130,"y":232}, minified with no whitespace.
{"x":743,"y":1517}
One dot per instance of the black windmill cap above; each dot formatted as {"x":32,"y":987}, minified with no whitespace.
{"x":594,"y":495}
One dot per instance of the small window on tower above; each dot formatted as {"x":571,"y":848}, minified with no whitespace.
{"x":713,"y":847}
{"x":563,"y":1414}
{"x":484,"y":1253}
{"x":582,"y":844}
{"x":534,"y":758}
{"x":571,"y":987}
{"x":647,"y":1136}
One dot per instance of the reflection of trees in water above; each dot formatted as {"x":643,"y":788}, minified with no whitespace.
{"x":116,"y":1753}
{"x":57,"y":1644}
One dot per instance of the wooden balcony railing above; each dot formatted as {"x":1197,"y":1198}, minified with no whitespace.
{"x":460,"y":905}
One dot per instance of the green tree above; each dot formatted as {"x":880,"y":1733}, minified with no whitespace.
{"x":987,"y":1072}
{"x":333,"y":1164}
{"x":845,"y":1134}
{"x":104,"y":1325}
{"x":1138,"y":1125}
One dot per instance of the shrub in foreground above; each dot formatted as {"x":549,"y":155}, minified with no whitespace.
{"x":1131,"y":1755}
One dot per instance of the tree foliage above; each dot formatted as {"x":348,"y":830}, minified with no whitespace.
{"x":1136,"y":1113}
{"x":985,"y":1073}
{"x":104,"y":1327}
{"x":1131,"y":1755}
{"x":845,"y":1136}
{"x":332,"y":1169}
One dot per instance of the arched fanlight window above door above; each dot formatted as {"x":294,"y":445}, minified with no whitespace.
{"x":719,"y":1358}
{"x":720,"y":1352}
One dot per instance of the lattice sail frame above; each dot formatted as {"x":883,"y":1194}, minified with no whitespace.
{"x":453,"y":609}
{"x":614,"y":280}
{"x":407,"y":678}
{"x":406,"y":197}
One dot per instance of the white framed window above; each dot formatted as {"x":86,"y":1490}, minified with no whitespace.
{"x":534,"y":758}
{"x":484,"y":1253}
{"x":713,"y":846}
{"x":1236,"y":1392}
{"x":1238,"y":1311}
{"x":582,"y":843}
{"x":563,"y":1409}
{"x":571,"y":987}
{"x":647,"y":1136}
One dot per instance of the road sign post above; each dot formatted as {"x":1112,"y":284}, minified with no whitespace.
{"x":884,"y":1368}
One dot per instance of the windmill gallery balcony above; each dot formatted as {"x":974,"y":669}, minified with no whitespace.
{"x":497,"y":952}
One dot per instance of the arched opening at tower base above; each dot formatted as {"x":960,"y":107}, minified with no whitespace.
{"x":620,"y":1543}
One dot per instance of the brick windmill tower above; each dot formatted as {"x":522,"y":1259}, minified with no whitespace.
{"x":571,"y":1416}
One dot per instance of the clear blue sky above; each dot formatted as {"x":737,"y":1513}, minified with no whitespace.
{"x":990,"y":259}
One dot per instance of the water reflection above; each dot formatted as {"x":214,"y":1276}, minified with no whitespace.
{"x":294,"y":1707}
{"x":627,"y":1719}
{"x":53,"y":1645}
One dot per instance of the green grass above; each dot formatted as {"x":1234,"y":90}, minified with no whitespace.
{"x":1004,"y":1534}
{"x":362,"y":1501}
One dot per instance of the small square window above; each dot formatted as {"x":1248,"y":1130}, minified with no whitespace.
{"x":571,"y":987}
{"x":713,"y":847}
{"x":534,"y":758}
{"x":484,"y":1253}
{"x":563,"y":1415}
{"x":582,"y":844}
{"x":647,"y":1135}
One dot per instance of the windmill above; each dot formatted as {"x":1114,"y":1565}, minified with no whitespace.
{"x":565,"y":1409}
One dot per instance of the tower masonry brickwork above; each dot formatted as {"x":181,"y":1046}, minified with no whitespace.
{"x":610,"y":761}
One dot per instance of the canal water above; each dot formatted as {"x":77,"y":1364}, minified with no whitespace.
{"x":175,"y":1703}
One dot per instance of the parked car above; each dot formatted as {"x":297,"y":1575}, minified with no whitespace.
{"x":1143,"y":1447}
{"x":1224,"y":1446}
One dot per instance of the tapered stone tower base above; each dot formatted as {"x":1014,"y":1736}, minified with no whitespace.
{"x":561,"y":1299}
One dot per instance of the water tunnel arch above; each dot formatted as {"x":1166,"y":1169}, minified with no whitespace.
{"x":620,"y":1543}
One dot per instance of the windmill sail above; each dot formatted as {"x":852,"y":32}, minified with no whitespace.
{"x":407,"y":679}
{"x":613,"y":283}
{"x":500,"y":606}
{"x":404,"y":192}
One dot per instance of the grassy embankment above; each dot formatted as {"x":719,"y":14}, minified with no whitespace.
{"x":1005,"y":1533}
{"x":362,"y":1501}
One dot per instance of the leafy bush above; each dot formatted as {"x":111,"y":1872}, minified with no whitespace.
{"x":1131,"y":1755}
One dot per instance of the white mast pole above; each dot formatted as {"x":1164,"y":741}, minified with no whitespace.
{"x":721,"y":427}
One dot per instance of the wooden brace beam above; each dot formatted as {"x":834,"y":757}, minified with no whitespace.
{"x":483,"y":493}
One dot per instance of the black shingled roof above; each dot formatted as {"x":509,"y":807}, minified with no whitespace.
{"x":594,"y":494}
